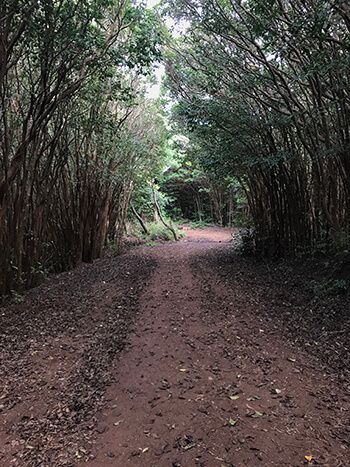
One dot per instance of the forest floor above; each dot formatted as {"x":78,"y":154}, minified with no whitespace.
{"x":181,"y":354}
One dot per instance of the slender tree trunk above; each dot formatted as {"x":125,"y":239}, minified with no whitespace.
{"x":158,"y":210}
{"x":139,"y":218}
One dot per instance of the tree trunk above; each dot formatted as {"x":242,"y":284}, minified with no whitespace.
{"x":156,"y":205}
{"x":139,"y":218}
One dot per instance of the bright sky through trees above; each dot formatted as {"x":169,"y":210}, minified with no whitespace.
{"x":154,"y":90}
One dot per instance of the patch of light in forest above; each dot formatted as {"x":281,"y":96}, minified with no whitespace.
{"x":177,"y":29}
{"x":152,"y":3}
{"x":154,"y":89}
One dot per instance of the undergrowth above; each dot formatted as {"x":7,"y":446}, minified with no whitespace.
{"x":157,"y":231}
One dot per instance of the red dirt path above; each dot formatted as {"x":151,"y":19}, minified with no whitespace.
{"x":202,"y":380}
{"x":190,"y":368}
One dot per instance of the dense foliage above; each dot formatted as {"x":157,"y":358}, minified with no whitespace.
{"x":263,"y":91}
{"x":76,"y":133}
{"x":192,"y":194}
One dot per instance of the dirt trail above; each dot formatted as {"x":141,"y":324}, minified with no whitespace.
{"x":200,"y":387}
{"x":202,"y":379}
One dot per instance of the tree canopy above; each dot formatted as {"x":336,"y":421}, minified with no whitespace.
{"x":76,"y":128}
{"x":262,"y":91}
{"x":258,"y":89}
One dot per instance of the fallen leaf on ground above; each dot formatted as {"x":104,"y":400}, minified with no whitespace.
{"x":310,"y":460}
{"x":234,"y":398}
{"x":232,"y":422}
{"x":189,"y":446}
{"x":254,"y":413}
{"x":118,"y":422}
